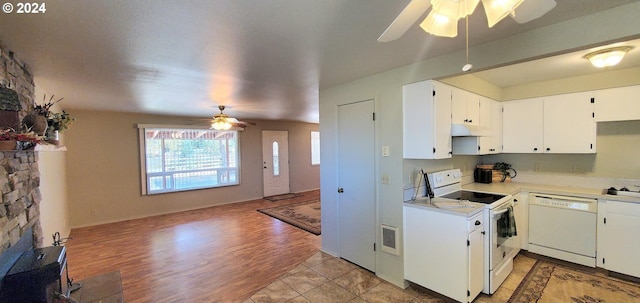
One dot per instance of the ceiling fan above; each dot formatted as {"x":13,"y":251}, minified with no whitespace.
{"x":444,"y":15}
{"x":222,"y":121}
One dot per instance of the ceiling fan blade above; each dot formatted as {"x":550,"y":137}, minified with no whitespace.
{"x":530,"y":10}
{"x":405,"y":19}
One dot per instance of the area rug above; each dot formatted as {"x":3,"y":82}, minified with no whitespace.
{"x":550,"y":282}
{"x":282,"y":197}
{"x":304,"y":215}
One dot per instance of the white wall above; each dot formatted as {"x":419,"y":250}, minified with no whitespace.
{"x":386,"y":89}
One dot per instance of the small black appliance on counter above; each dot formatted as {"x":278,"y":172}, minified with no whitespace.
{"x":482,"y":175}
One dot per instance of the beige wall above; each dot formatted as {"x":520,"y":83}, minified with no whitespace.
{"x":54,"y":210}
{"x":103,"y":172}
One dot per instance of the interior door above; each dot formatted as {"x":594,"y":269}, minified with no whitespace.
{"x":275,"y":162}
{"x":356,"y":192}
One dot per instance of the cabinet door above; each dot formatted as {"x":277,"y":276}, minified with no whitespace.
{"x":476,"y":263}
{"x":473,"y":109}
{"x":496,"y":127}
{"x":458,"y":106}
{"x":522,"y":127}
{"x":569,"y":126}
{"x":465,"y":107}
{"x":426,"y":120}
{"x":442,"y":121}
{"x":617,"y":104}
{"x":621,"y":239}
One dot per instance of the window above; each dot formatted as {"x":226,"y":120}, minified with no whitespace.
{"x":315,"y":148}
{"x":276,"y":159}
{"x":179,"y":159}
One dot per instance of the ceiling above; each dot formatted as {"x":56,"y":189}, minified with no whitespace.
{"x":262,"y":59}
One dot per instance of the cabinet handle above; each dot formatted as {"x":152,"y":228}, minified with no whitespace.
{"x":340,"y":190}
{"x":548,"y":149}
{"x":470,"y":121}
{"x":478,"y":222}
{"x":535,"y":149}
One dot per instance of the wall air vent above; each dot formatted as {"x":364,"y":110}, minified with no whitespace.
{"x":389,"y":239}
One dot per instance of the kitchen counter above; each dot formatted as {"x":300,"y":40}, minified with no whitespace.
{"x":516,"y":187}
{"x":424,"y":203}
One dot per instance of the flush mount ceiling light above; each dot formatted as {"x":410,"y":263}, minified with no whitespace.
{"x":607,"y":57}
{"x":445,"y":14}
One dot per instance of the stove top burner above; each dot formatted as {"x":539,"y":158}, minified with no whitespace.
{"x":479,"y":197}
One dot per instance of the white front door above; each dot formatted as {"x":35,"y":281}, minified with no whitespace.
{"x":356,"y":192}
{"x":275,"y":162}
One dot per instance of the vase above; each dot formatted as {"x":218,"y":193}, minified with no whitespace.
{"x":8,"y":145}
{"x":53,"y":137}
{"x":36,"y":123}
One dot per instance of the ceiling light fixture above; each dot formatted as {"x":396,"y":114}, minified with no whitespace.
{"x":222,"y":121}
{"x":607,"y":57}
{"x":443,"y":18}
{"x":497,"y":10}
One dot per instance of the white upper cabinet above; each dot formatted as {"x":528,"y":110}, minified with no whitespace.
{"x":426,"y":120}
{"x":618,"y":104}
{"x":554,"y":124}
{"x":569,"y":126}
{"x":522,"y":126}
{"x":465,"y":107}
{"x":490,"y":119}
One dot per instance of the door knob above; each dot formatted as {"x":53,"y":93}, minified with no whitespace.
{"x":340,"y":190}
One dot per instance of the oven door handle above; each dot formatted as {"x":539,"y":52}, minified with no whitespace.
{"x":500,"y":212}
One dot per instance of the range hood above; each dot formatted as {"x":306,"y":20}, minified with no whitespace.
{"x":468,"y":130}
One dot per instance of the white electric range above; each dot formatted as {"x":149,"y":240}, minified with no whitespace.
{"x":500,"y":244}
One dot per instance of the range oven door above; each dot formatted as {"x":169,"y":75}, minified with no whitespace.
{"x":502,"y":247}
{"x":504,"y":244}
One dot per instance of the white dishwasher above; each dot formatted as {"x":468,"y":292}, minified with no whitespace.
{"x":563,"y":227}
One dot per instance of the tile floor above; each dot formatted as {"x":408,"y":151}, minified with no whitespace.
{"x":323,"y":278}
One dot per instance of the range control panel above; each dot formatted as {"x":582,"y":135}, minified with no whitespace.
{"x":445,"y":177}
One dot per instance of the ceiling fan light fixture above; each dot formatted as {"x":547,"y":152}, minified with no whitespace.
{"x":440,"y":25}
{"x":607,"y":57}
{"x":222,"y":121}
{"x":454,"y":9}
{"x":531,"y":10}
{"x":497,"y":10}
{"x":220,"y":124}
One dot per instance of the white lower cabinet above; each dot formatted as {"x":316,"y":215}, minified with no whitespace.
{"x":444,"y":252}
{"x":618,"y":245}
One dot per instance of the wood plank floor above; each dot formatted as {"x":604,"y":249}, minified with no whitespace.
{"x":218,"y":254}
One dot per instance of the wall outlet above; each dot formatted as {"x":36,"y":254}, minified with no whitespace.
{"x":575,"y":169}
{"x":386,"y":179}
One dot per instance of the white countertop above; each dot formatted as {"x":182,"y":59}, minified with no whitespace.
{"x":447,"y":206}
{"x":514,"y":187}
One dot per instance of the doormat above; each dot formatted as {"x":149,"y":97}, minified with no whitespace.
{"x":304,"y":215}
{"x":551,"y":282}
{"x":282,"y":197}
{"x":102,"y":288}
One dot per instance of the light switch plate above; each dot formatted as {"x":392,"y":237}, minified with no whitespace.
{"x":385,"y":150}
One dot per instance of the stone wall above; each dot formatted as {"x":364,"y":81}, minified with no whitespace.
{"x":19,"y":185}
{"x":19,"y":174}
